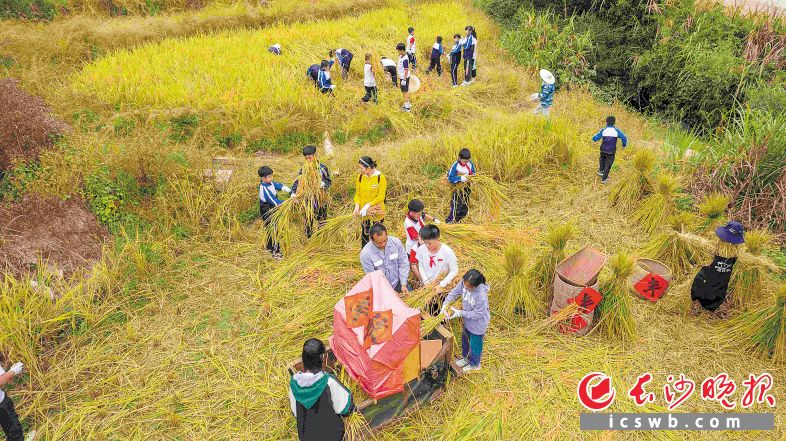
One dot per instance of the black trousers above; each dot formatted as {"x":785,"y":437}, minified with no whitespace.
{"x":365,"y":231}
{"x":605,"y":163}
{"x":322,"y":215}
{"x":265,"y":211}
{"x":392,"y":71}
{"x":468,"y":70}
{"x":459,"y":205}
{"x":435,"y":63}
{"x":371,"y":94}
{"x":454,"y":67}
{"x":9,"y":421}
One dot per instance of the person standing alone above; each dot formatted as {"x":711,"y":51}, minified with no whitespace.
{"x":404,"y":72}
{"x":608,"y":146}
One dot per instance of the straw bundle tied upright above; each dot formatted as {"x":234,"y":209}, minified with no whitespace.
{"x":514,"y":287}
{"x":655,"y":209}
{"x":749,"y":281}
{"x":636,"y":183}
{"x":540,"y":274}
{"x":713,"y":207}
{"x":616,"y":320}
{"x":763,"y":331}
{"x":488,"y":194}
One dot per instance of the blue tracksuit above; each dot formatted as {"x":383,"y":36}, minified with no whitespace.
{"x":455,"y":61}
{"x":459,"y":200}
{"x":610,"y":134}
{"x":323,"y":81}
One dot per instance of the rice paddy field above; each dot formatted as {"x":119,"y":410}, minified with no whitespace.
{"x":184,"y":328}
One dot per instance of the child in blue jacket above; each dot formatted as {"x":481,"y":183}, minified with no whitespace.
{"x":268,"y":201}
{"x":608,"y":147}
{"x":437,"y":51}
{"x":460,"y":173}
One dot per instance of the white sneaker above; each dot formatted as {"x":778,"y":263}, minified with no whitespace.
{"x":465,"y":83}
{"x":600,"y":173}
{"x":461,"y":362}
{"x":30,"y":436}
{"x":469,"y":368}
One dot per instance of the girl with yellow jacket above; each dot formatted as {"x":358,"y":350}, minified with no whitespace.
{"x":370,"y":190}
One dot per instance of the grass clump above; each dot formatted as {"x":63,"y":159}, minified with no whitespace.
{"x":763,"y":331}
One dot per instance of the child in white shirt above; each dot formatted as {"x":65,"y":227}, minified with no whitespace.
{"x":435,"y":258}
{"x":369,"y":81}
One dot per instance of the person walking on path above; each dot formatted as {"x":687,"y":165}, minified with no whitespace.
{"x":608,"y":146}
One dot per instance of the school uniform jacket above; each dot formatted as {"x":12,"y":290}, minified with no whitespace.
{"x":318,"y":402}
{"x":457,"y":171}
{"x":268,"y":193}
{"x":437,"y":51}
{"x":610,"y":134}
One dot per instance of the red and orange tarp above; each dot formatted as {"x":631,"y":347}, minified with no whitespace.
{"x":382,"y":335}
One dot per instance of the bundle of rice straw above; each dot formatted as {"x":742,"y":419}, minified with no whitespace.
{"x":614,"y":310}
{"x":541,"y":274}
{"x":672,"y":249}
{"x":514,"y":285}
{"x":489,"y":193}
{"x":636,"y":183}
{"x":763,"y":331}
{"x":749,"y":279}
{"x":713,"y":208}
{"x":656,"y":208}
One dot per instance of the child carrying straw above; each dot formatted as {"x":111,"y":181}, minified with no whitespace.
{"x":268,"y":201}
{"x":459,"y":176}
{"x":413,"y":223}
{"x":320,"y":209}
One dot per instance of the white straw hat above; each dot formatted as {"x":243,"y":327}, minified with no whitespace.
{"x":547,"y":76}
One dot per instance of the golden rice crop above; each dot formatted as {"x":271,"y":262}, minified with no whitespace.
{"x":713,"y":207}
{"x":763,"y":331}
{"x":655,"y":210}
{"x":635,"y":183}
{"x":614,"y":310}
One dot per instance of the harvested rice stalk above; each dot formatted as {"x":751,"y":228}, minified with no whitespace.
{"x":541,"y":274}
{"x":334,"y":228}
{"x":282,"y":227}
{"x":635,"y":184}
{"x":672,"y":249}
{"x":713,"y":208}
{"x":763,"y":331}
{"x":749,"y":279}
{"x":489,"y":194}
{"x":558,"y":319}
{"x":516,"y":294}
{"x":428,"y":325}
{"x":727,"y":250}
{"x":655,"y":210}
{"x":616,"y":320}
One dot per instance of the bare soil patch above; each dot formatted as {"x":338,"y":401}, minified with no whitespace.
{"x":26,"y":124}
{"x":65,"y":234}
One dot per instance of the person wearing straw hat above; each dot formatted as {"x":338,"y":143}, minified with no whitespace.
{"x":275,"y":49}
{"x":546,"y":95}
{"x":711,"y":284}
{"x":318,"y":400}
{"x":474,"y":294}
{"x":9,"y":420}
{"x":386,"y":254}
{"x":370,"y":192}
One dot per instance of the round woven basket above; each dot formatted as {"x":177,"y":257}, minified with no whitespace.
{"x":646,"y":266}
{"x":563,"y":291}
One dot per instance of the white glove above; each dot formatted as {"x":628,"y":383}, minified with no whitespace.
{"x":464,"y":178}
{"x":364,"y":210}
{"x":444,"y":310}
{"x":534,"y":96}
{"x":322,"y":184}
{"x":17,"y":368}
{"x":436,"y":221}
{"x":286,"y":189}
{"x":404,"y":81}
{"x":456,"y":313}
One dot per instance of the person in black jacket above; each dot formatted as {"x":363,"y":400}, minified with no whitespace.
{"x":711,"y":283}
{"x":319,"y":401}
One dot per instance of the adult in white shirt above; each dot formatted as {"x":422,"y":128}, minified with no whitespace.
{"x":369,"y":81}
{"x":435,"y":258}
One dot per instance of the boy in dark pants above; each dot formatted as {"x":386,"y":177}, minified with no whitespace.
{"x":369,"y":81}
{"x":469,"y":55}
{"x":389,"y":66}
{"x":310,"y":154}
{"x":268,"y":202}
{"x":608,"y":147}
{"x":455,"y":59}
{"x":460,"y":173}
{"x":436,"y":55}
{"x":9,"y":420}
